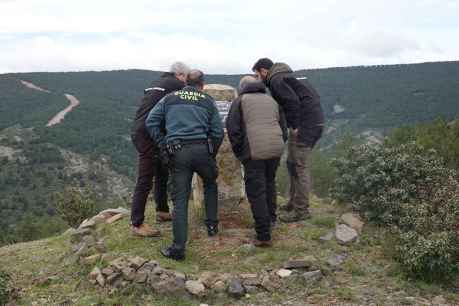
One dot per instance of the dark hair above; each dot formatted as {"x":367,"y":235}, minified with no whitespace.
{"x":195,"y":78}
{"x":265,"y":63}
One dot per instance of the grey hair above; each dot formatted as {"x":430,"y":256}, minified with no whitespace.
{"x":179,"y":68}
{"x":245,"y":81}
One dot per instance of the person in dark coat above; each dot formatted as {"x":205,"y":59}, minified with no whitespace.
{"x":149,"y":164}
{"x":305,"y":120}
{"x":257,"y":132}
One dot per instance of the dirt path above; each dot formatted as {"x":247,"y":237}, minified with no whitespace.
{"x":33,"y":86}
{"x":74,"y":102}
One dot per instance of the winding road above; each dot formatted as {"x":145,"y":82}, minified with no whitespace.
{"x":33,"y":86}
{"x":74,"y":102}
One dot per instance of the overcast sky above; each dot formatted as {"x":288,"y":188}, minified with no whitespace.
{"x":220,"y":36}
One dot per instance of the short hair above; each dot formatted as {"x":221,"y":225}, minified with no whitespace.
{"x":246,"y":80}
{"x":195,"y":78}
{"x":265,"y":63}
{"x":179,"y":68}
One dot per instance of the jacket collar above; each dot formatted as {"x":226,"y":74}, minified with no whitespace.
{"x":191,"y":88}
{"x":278,"y":68}
{"x":253,"y":87}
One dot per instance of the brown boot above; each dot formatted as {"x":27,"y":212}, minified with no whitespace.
{"x":262,"y":244}
{"x":162,"y":216}
{"x":145,"y":230}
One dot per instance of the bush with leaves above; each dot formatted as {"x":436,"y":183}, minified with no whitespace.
{"x":428,"y":234}
{"x":75,"y":205}
{"x":409,"y":189}
{"x":380,"y":180}
{"x":6,"y":288}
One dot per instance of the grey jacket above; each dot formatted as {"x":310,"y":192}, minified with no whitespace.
{"x":256,"y":126}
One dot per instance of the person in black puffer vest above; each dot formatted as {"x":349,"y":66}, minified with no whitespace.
{"x":149,"y":164}
{"x":305,"y":119}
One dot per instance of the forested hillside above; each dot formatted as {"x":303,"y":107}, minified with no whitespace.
{"x":357,"y":100}
{"x":383,"y":97}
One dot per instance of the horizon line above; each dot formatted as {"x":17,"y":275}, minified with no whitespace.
{"x":242,"y":73}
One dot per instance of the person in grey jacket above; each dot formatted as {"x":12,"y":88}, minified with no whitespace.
{"x":257,"y":131}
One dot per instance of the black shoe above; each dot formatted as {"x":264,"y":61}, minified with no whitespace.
{"x":287,"y":207}
{"x":212,"y":230}
{"x":263,"y":243}
{"x":173,"y":253}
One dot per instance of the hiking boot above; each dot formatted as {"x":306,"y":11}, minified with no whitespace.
{"x":145,"y":230}
{"x":287,"y":207}
{"x":173,"y":253}
{"x":212,"y":230}
{"x":294,"y":217}
{"x":262,"y":244}
{"x":162,"y":216}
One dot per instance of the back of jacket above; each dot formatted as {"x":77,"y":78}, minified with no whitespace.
{"x":255,"y":125}
{"x":187,"y":114}
{"x":300,"y":101}
{"x":166,"y":84}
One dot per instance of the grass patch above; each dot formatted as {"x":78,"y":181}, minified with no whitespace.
{"x":313,"y":233}
{"x":367,"y":266}
{"x":345,"y":293}
{"x":354,"y":268}
{"x":324,"y":221}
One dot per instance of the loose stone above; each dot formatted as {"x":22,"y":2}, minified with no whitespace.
{"x":282,"y":273}
{"x":345,"y":234}
{"x":195,"y":287}
{"x":235,"y":289}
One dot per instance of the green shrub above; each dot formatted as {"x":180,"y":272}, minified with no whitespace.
{"x":75,"y":205}
{"x":379,"y":180}
{"x":440,"y":135}
{"x":6,"y":288}
{"x":409,"y":189}
{"x":428,"y":234}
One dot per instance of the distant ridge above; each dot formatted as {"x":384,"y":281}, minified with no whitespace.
{"x":234,"y":74}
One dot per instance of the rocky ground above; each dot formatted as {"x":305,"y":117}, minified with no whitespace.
{"x":332,"y":259}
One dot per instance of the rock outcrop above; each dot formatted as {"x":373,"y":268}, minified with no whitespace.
{"x":230,"y":184}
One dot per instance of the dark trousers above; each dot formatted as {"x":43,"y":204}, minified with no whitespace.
{"x":260,"y":186}
{"x":191,"y":159}
{"x":149,"y":168}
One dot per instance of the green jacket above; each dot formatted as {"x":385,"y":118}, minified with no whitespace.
{"x":187,"y":114}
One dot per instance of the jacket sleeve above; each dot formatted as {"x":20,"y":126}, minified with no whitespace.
{"x":216,"y":132}
{"x":288,"y":100}
{"x":234,"y":127}
{"x":155,"y":123}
